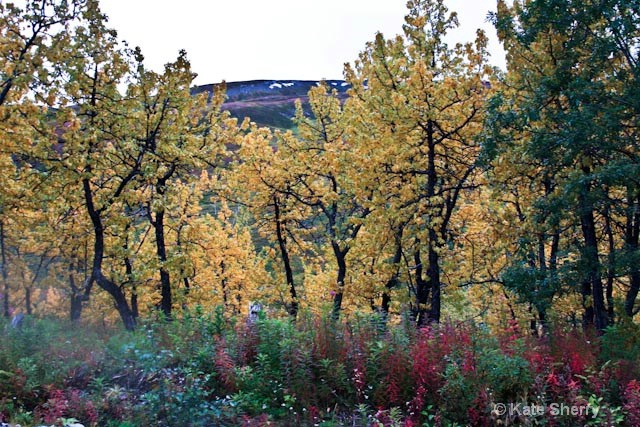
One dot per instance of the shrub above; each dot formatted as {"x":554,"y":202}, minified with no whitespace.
{"x":199,"y":370}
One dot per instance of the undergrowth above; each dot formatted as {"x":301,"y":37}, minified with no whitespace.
{"x":205,"y":370}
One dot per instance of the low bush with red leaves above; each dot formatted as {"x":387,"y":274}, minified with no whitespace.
{"x":203,"y":372}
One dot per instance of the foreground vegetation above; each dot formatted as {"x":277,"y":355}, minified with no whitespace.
{"x":204,"y":370}
{"x":436,"y":187}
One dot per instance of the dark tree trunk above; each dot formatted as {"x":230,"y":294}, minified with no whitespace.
{"x":165,"y":279}
{"x":611,"y":269}
{"x":341,"y":260}
{"x":76,"y":298}
{"x":223,"y":284}
{"x":4,"y":273}
{"x":120,"y":300}
{"x":591,"y":258}
{"x":588,"y":319}
{"x":28,"y":306}
{"x":284,"y":253}
{"x":422,"y":289}
{"x":185,"y":279}
{"x":632,"y":293}
{"x":95,"y":214}
{"x":632,"y":233}
{"x":96,"y":275}
{"x":533,"y":322}
{"x":134,"y":303}
{"x":542,"y":319}
{"x":166,"y":303}
{"x":393,"y":281}
{"x":433,"y":269}
{"x":433,"y":275}
{"x":553,"y":277}
{"x":76,"y":308}
{"x":134,"y":289}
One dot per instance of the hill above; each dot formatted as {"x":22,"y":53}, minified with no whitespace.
{"x":269,"y":102}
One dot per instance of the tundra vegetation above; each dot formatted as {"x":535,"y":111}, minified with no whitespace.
{"x":444,"y":239}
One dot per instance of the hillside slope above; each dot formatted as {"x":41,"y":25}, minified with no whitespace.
{"x":269,"y":102}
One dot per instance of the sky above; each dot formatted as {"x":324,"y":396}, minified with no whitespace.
{"x":273,"y":39}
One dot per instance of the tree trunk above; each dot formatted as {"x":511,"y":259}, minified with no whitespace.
{"x":185,"y":279}
{"x":533,"y":322}
{"x":433,"y":269}
{"x":96,"y":270}
{"x":223,"y":284}
{"x":632,"y":293}
{"x":76,"y":298}
{"x":28,"y":306}
{"x":5,"y":279}
{"x":284,"y":253}
{"x":393,"y":281}
{"x":120,"y":300}
{"x":611,"y":268}
{"x":632,"y":234}
{"x":591,"y":257}
{"x":342,"y":274}
{"x":433,"y":275}
{"x":422,"y":289}
{"x":75,"y":312}
{"x":588,"y":319}
{"x":134,"y":289}
{"x":165,"y":279}
{"x":134,"y":303}
{"x":542,"y":320}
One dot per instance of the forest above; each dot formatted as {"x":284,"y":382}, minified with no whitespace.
{"x":446,"y":244}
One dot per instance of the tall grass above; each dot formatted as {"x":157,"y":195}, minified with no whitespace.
{"x":205,"y":370}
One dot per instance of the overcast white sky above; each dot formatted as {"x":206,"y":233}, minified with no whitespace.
{"x":272,"y":39}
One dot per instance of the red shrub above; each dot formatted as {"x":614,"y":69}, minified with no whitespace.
{"x":395,"y":363}
{"x":259,"y":421}
{"x":247,"y":342}
{"x":54,"y":408}
{"x":509,"y":336}
{"x":577,"y":352}
{"x":325,"y":344}
{"x":428,"y":363}
{"x":478,"y":413}
{"x":81,"y":408}
{"x":225,"y":367}
{"x":631,"y":399}
{"x":69,"y":403}
{"x":539,"y":357}
{"x":429,"y":356}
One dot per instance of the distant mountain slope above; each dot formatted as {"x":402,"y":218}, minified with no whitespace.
{"x":269,"y":102}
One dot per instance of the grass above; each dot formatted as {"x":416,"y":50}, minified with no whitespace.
{"x":206,"y":369}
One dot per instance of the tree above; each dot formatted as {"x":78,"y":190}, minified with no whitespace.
{"x":307,"y":180}
{"x":319,"y":168}
{"x":29,"y":37}
{"x":422,"y":104}
{"x":95,"y":149}
{"x":571,"y":109}
{"x":276,"y":216}
{"x":181,"y":134}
